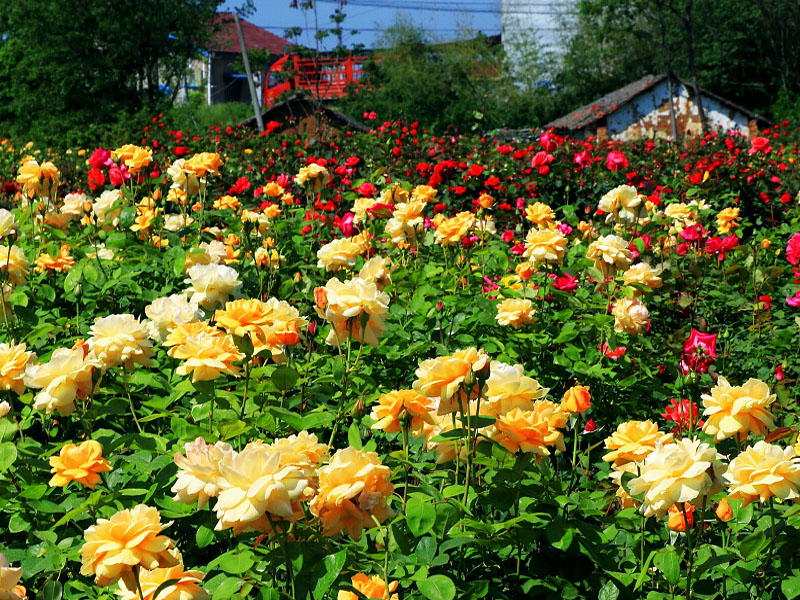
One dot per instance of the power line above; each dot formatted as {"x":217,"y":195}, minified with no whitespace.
{"x":447,"y":7}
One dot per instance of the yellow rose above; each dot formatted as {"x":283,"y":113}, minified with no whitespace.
{"x":227,"y":202}
{"x":14,"y":359}
{"x":532,"y":430}
{"x":67,"y":376}
{"x":728,"y":219}
{"x":8,"y":225}
{"x":14,"y":263}
{"x":543,"y":246}
{"x":423,"y":193}
{"x":763,"y":471}
{"x":633,"y":441}
{"x":515,"y":312}
{"x":541,"y":215}
{"x":313,"y":176}
{"x":207,"y":356}
{"x":676,"y":472}
{"x":82,"y":463}
{"x":130,"y":538}
{"x":353,"y":488}
{"x":450,"y":231}
{"x":186,"y":584}
{"x":166,"y":314}
{"x":377,"y":270}
{"x":9,"y":576}
{"x":393,"y":406}
{"x":203,"y":164}
{"x":737,"y":410}
{"x":272,"y":189}
{"x":442,"y":377}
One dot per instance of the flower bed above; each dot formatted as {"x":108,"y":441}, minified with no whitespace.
{"x":399,"y":366}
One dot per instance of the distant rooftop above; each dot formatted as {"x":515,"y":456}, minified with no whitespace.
{"x":256,"y":38}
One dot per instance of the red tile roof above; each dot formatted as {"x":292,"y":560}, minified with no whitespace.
{"x":256,"y":38}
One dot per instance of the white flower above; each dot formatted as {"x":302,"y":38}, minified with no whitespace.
{"x":166,"y":314}
{"x":105,"y":210}
{"x":8,"y":225}
{"x":212,"y":285}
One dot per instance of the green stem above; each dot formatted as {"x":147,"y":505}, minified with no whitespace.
{"x":689,"y":556}
{"x":125,"y":382}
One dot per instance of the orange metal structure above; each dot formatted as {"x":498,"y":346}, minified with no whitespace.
{"x":324,"y":78}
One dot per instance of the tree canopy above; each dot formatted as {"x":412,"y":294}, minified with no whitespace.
{"x":66,"y":64}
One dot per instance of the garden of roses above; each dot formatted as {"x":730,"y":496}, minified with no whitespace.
{"x":398,"y":366}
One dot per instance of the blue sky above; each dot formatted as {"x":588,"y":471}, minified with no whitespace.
{"x":441,"y":18}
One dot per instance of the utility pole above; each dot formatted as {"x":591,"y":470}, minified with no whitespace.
{"x":251,"y":85}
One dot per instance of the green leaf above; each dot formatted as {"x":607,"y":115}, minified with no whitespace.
{"x":426,"y":550}
{"x":204,"y":536}
{"x":609,"y":591}
{"x":127,"y":216}
{"x":51,"y":590}
{"x":752,"y":544}
{"x":668,"y":563}
{"x":236,"y":562}
{"x":559,"y":534}
{"x":8,"y":454}
{"x":354,"y":436}
{"x":791,"y":587}
{"x":437,"y":587}
{"x":326,"y":572}
{"x":420,"y":516}
{"x":568,"y":332}
{"x":284,"y":378}
{"x":73,"y":278}
{"x":227,"y":589}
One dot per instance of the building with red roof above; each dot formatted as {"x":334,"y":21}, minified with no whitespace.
{"x":223,"y":80}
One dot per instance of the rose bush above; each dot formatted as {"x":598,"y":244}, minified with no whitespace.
{"x":401,"y":366}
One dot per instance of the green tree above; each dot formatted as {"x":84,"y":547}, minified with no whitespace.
{"x":70,"y":66}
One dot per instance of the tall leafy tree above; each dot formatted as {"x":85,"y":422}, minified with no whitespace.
{"x":70,"y":65}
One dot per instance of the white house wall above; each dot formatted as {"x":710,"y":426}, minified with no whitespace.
{"x":647,"y":115}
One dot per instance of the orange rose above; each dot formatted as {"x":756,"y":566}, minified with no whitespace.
{"x":82,"y":463}
{"x":724,"y":510}
{"x":576,"y":399}
{"x":676,"y":521}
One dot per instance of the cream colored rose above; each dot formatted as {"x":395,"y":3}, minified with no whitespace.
{"x":507,"y":388}
{"x":107,"y":208}
{"x":120,"y":340}
{"x":199,"y":476}
{"x":253,"y":483}
{"x":360,"y":208}
{"x":680,"y":212}
{"x":167,"y":313}
{"x":5,"y":408}
{"x":377,"y":270}
{"x":545,"y":246}
{"x":211,"y":285}
{"x":340,"y":253}
{"x":74,"y":205}
{"x":609,"y":253}
{"x":175,"y":223}
{"x":764,"y":471}
{"x":676,"y":472}
{"x":67,"y":376}
{"x":184,"y":180}
{"x":260,"y":221}
{"x":406,"y":221}
{"x":630,"y":316}
{"x":9,"y":579}
{"x":8,"y":224}
{"x":738,"y":410}
{"x":515,"y":312}
{"x":623,"y":204}
{"x":345,"y":304}
{"x":313,"y":177}
{"x":643,"y":273}
{"x":15,"y":263}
